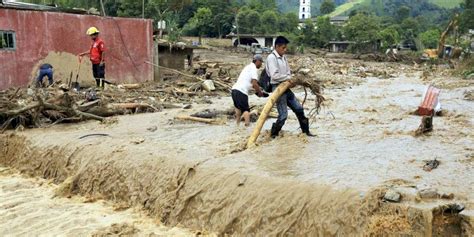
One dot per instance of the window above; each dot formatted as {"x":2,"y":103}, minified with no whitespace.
{"x":304,"y":9}
{"x":7,"y":40}
{"x":302,"y":16}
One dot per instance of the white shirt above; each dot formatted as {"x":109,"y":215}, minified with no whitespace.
{"x":278,"y":68}
{"x":244,"y":83}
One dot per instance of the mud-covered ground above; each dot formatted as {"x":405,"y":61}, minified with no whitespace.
{"x":198,"y":175}
{"x":32,"y":207}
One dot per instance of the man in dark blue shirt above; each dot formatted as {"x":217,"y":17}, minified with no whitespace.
{"x":45,"y":70}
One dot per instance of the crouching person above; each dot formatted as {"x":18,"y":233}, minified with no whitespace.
{"x":45,"y":70}
{"x":248,"y":78}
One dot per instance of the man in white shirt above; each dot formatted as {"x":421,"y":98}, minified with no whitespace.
{"x":279,"y":71}
{"x":248,"y":78}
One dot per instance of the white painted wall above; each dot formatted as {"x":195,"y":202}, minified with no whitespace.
{"x":305,"y":9}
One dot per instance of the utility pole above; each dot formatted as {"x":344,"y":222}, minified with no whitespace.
{"x":143,"y":9}
{"x":237,"y":25}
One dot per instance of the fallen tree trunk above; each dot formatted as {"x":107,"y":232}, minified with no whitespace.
{"x":266,"y":111}
{"x":313,"y":85}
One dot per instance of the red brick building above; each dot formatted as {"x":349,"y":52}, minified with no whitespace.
{"x":30,"y":36}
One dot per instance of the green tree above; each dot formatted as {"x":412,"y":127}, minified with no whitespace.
{"x":253,"y":21}
{"x":243,"y":24}
{"x":325,"y":31}
{"x":403,"y":12}
{"x":362,"y":29}
{"x":467,"y":17}
{"x":288,"y":23}
{"x":430,"y":38}
{"x":389,"y":36}
{"x":327,"y":7}
{"x":308,"y":34}
{"x":223,"y":15}
{"x":173,"y":29}
{"x":269,"y":22}
{"x":203,"y":21}
{"x":262,"y":5}
{"x":411,"y":28}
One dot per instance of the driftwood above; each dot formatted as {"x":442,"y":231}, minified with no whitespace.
{"x":62,"y":108}
{"x":196,"y":119}
{"x":133,"y":106}
{"x":131,"y":86}
{"x":282,"y":88}
{"x":217,"y":82}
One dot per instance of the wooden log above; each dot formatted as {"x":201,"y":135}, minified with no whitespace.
{"x":131,"y":86}
{"x":132,"y":106}
{"x":20,"y":111}
{"x":266,"y":111}
{"x":72,"y":111}
{"x":196,"y":119}
{"x":87,"y":105}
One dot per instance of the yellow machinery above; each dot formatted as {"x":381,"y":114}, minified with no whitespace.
{"x":440,"y":52}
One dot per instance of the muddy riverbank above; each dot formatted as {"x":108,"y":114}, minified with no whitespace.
{"x":32,"y":206}
{"x":197,"y":175}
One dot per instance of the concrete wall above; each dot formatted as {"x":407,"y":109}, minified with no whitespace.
{"x":57,"y":37}
{"x":175,"y":59}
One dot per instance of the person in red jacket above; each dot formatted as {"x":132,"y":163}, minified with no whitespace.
{"x":96,"y":54}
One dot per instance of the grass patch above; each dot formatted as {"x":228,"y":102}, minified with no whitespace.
{"x":447,"y":3}
{"x":346,"y":7}
{"x":352,"y":3}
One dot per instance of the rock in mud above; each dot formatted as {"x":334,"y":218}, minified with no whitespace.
{"x":469,"y":95}
{"x":152,"y":128}
{"x":138,"y":140}
{"x":392,"y":196}
{"x":117,"y":230}
{"x":305,"y":71}
{"x":428,"y":193}
{"x":431,"y":165}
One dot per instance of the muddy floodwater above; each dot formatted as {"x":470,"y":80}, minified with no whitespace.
{"x":30,"y":207}
{"x":199,"y":176}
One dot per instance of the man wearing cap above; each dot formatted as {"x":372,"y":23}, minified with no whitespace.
{"x":278,"y":69}
{"x":247,"y":79}
{"x":96,"y":54}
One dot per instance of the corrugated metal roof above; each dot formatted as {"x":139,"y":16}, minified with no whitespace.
{"x":38,"y":7}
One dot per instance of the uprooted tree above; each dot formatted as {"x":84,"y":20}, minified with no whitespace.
{"x":314,"y":87}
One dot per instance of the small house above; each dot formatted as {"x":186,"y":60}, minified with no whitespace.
{"x":177,"y":56}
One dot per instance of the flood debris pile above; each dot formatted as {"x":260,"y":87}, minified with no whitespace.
{"x":28,"y":107}
{"x":340,"y":72}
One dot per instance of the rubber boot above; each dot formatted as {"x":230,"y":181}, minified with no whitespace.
{"x":97,"y":82}
{"x":304,"y":124}
{"x":275,"y":130}
{"x":102,"y":83}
